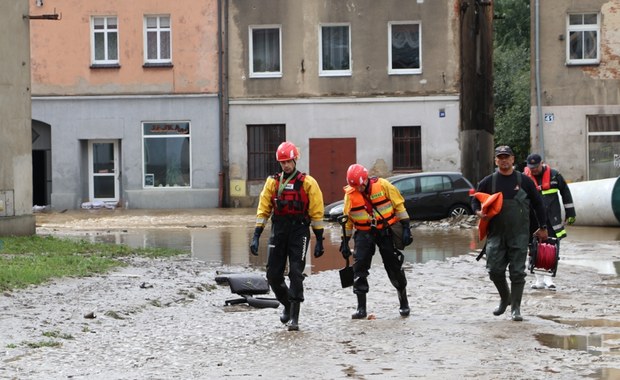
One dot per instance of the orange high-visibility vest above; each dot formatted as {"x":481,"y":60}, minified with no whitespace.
{"x":364,"y":211}
{"x":546,"y":177}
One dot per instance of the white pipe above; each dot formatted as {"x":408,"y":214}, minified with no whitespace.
{"x":597,"y":203}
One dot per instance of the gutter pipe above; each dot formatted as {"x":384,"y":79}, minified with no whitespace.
{"x":541,"y":134}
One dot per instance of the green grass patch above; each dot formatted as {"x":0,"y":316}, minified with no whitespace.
{"x":43,"y":343}
{"x":33,"y":260}
{"x":57,"y":334}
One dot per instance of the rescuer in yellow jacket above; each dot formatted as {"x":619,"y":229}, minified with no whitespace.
{"x":294,"y":201}
{"x":373,"y":205}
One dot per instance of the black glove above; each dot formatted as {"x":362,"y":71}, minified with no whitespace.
{"x":254,"y":245}
{"x":318,"y":249}
{"x":407,"y":238}
{"x":344,"y":247}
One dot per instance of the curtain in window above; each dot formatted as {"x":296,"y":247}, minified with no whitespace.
{"x":405,"y":46}
{"x":335,"y":43}
{"x":266,"y":50}
{"x":583,"y":45}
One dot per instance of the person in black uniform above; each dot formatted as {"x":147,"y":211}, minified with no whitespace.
{"x":550,"y":183}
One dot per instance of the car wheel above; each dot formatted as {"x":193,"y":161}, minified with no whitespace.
{"x":459,"y":210}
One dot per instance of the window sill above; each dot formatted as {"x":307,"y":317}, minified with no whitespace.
{"x":105,"y":66}
{"x":404,"y":72}
{"x":264,"y":75}
{"x":158,"y":65}
{"x":586,"y":63}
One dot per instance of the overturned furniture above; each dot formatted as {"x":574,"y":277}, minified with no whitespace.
{"x":247,"y":286}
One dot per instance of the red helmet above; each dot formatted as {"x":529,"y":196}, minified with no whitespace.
{"x":357,"y":175}
{"x":287,"y":151}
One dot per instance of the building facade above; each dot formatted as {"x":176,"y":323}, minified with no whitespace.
{"x":16,"y":216}
{"x":362,"y":81}
{"x":575,"y":118}
{"x":125,"y":104}
{"x":159,"y":104}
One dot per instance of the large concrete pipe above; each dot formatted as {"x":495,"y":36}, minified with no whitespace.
{"x":597,"y":203}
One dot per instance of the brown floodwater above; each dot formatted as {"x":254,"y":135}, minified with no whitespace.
{"x":228,"y":245}
{"x":222,"y":237}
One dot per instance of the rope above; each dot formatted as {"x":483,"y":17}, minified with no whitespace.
{"x":546,"y":256}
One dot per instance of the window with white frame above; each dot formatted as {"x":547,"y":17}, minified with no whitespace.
{"x":166,"y":154}
{"x":582,"y":44}
{"x":104,"y":40}
{"x":265,"y":51}
{"x":157,"y":39}
{"x":335,"y":50}
{"x":405,"y":48}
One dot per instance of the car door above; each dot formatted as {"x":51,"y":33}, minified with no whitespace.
{"x":408,"y":188}
{"x":430,"y":204}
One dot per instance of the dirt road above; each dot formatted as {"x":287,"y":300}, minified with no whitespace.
{"x":162,"y":319}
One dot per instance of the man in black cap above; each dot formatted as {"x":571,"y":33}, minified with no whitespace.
{"x":508,"y":232}
{"x":549,"y":182}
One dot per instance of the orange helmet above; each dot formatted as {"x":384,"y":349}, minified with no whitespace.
{"x":287,"y":151}
{"x":357,"y":175}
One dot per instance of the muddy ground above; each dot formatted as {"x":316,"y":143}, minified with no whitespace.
{"x":165,"y":318}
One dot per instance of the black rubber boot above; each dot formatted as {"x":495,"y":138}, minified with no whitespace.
{"x":293,"y":324}
{"x":281,"y":292}
{"x":404,"y":303}
{"x":361,"y":307}
{"x":517,"y":293}
{"x":504,"y":293}
{"x":285,"y":316}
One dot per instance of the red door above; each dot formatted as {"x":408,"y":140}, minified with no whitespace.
{"x":329,"y":161}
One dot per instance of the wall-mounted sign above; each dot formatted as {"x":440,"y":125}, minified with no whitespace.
{"x":549,"y":117}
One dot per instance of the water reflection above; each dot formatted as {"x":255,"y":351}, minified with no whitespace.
{"x":226,"y":244}
{"x":595,"y":344}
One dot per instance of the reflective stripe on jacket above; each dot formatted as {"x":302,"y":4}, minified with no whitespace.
{"x":371,"y":211}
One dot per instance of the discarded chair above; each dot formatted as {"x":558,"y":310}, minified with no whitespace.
{"x":247,"y":286}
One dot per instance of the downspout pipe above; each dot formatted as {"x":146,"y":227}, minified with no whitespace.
{"x":541,"y":134}
{"x":222,"y":30}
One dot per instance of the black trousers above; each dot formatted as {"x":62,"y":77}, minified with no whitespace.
{"x":289,"y":241}
{"x":366,"y":243}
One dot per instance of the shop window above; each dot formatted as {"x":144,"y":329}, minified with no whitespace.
{"x":603,"y":146}
{"x":263,"y":140}
{"x":407,"y":148}
{"x":166,"y":154}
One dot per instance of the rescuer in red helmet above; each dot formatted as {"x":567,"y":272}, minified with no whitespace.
{"x":373,"y":205}
{"x":294,"y":202}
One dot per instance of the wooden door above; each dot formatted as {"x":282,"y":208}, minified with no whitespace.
{"x":329,"y":160}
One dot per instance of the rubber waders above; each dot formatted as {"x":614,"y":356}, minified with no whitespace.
{"x":286,"y":313}
{"x":404,"y":303}
{"x":504,"y":293}
{"x":361,"y":307}
{"x":517,"y":293}
{"x":293,"y":324}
